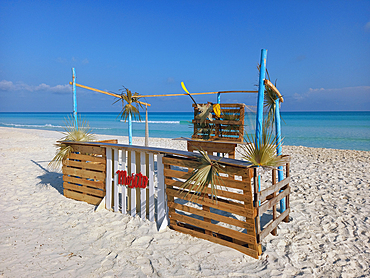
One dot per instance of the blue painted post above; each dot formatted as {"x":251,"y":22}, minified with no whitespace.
{"x":74,"y":97}
{"x":260,"y":98}
{"x":129,"y":129}
{"x":218,"y":101}
{"x":261,"y":94}
{"x":278,"y":148}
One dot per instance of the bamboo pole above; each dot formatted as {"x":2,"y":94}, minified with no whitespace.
{"x":73,"y":83}
{"x":204,"y":93}
{"x":104,"y":92}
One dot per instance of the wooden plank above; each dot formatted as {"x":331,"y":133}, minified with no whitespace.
{"x":228,"y":207}
{"x":242,"y":249}
{"x":220,"y":192}
{"x":94,"y":184}
{"x":215,"y":228}
{"x":270,"y":203}
{"x":273,"y":225}
{"x":85,"y":165}
{"x":115,"y":180}
{"x":88,"y":149}
{"x":274,"y":231}
{"x":225,"y":122}
{"x":84,"y":189}
{"x":108,"y":180}
{"x":181,"y":162}
{"x":151,"y":187}
{"x":247,"y":224}
{"x":132,"y":191}
{"x":143,"y":190}
{"x":161,"y":191}
{"x":268,"y":191}
{"x":82,"y":197}
{"x":83,"y":173}
{"x":222,"y":105}
{"x":84,"y":157}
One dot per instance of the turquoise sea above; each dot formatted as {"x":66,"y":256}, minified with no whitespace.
{"x":337,"y":130}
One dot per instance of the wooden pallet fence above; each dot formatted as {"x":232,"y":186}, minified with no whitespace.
{"x":230,"y":127}
{"x":228,"y":221}
{"x":267,"y":200}
{"x":84,"y":173}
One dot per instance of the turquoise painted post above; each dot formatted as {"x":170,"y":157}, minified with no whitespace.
{"x":278,"y":148}
{"x":260,"y":98}
{"x":74,"y":97}
{"x":218,"y":101}
{"x":129,"y":129}
{"x":261,"y":94}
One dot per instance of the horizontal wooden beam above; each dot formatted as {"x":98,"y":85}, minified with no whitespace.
{"x":104,"y":92}
{"x":269,"y":84}
{"x":204,"y":93}
{"x":270,"y":203}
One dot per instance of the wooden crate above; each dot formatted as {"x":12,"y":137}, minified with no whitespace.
{"x":221,"y":129}
{"x":84,"y":173}
{"x":212,"y":147}
{"x":230,"y":221}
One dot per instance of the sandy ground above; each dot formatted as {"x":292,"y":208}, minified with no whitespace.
{"x":44,"y":234}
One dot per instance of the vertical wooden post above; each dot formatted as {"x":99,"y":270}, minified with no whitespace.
{"x":261,"y":93}
{"x":108,"y":179}
{"x":129,"y":129}
{"x":133,"y":190}
{"x":115,"y":187}
{"x":260,"y":98}
{"x":142,"y":190}
{"x":274,"y":231}
{"x":124,"y":188}
{"x":278,"y":148}
{"x":151,"y":187}
{"x":146,"y":127}
{"x":256,"y":204}
{"x":286,"y":219}
{"x":74,"y":97}
{"x":161,"y":201}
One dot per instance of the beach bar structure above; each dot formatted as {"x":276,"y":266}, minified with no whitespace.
{"x":148,"y":182}
{"x":241,"y":218}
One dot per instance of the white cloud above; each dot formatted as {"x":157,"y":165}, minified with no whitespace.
{"x":20,"y":86}
{"x":367,"y":26}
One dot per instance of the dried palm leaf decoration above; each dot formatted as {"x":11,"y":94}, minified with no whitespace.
{"x":80,"y":133}
{"x":208,"y":173}
{"x":132,"y":104}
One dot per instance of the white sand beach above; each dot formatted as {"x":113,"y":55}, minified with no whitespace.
{"x":44,"y":234}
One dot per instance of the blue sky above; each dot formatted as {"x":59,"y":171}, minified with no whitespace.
{"x":318,"y":51}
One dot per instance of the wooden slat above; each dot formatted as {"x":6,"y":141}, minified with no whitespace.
{"x":228,"y":207}
{"x":84,"y":157}
{"x":82,"y":197}
{"x":244,"y":250}
{"x":84,"y":189}
{"x":222,"y":138}
{"x":220,"y":192}
{"x":274,"y":224}
{"x":225,"y":122}
{"x":94,"y":184}
{"x":83,"y":173}
{"x":270,"y":203}
{"x":222,"y":105}
{"x":215,"y":228}
{"x":268,"y":191}
{"x":247,"y":224}
{"x":85,"y":165}
{"x":181,"y":162}
{"x":88,"y":149}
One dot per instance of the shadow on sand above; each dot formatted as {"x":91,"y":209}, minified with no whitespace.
{"x":49,"y":178}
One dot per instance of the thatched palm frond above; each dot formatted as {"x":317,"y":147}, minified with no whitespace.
{"x":82,"y":133}
{"x":205,"y":111}
{"x":270,"y":106}
{"x":132,"y":104}
{"x":208,"y":173}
